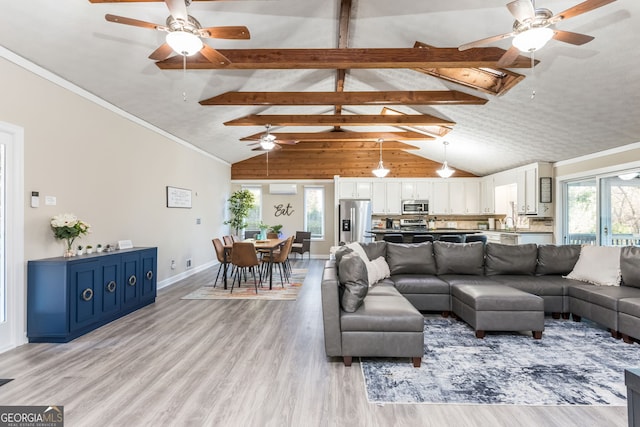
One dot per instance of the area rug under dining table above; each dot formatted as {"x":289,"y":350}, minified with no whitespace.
{"x":247,"y":290}
{"x":573,"y":364}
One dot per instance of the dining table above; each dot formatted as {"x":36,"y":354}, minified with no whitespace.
{"x":269,"y":245}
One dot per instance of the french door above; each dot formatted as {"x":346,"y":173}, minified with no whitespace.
{"x":581,"y":212}
{"x":12,"y":287}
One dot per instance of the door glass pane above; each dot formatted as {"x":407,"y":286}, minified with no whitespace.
{"x":3,"y":275}
{"x":620,"y":211}
{"x":582,"y":213}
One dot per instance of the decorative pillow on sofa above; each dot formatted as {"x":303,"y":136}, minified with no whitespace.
{"x":599,"y":265}
{"x":510,"y":259}
{"x":459,"y":258}
{"x":375,"y":272}
{"x":630,"y":266}
{"x":554,"y":259}
{"x":411,"y":258}
{"x":380,"y":269}
{"x":352,"y":274}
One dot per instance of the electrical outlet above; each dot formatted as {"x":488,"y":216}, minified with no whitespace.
{"x":188,"y":262}
{"x":173,"y":264}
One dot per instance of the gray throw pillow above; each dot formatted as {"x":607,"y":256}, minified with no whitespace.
{"x":557,"y":259}
{"x":340,"y":252}
{"x":352,"y":273}
{"x":511,"y":259}
{"x":459,"y":258}
{"x":411,"y":258}
{"x":630,"y":266}
{"x":375,"y":250}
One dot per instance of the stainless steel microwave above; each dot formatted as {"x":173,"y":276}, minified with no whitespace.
{"x":415,"y":207}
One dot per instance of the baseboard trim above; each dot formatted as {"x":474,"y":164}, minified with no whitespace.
{"x":180,"y":276}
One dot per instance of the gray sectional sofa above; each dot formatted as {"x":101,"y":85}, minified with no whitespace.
{"x":466,"y":279}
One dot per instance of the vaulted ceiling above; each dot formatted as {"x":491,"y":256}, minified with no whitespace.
{"x":587,"y":97}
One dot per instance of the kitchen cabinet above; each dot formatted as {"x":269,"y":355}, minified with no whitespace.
{"x":455,"y":197}
{"x":487,"y":195}
{"x":528,"y":190}
{"x":386,"y":198}
{"x":416,"y":190}
{"x":516,"y":238}
{"x":68,"y":297}
{"x":354,"y":189}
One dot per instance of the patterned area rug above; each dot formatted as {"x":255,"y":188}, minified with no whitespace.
{"x":573,"y":364}
{"x":248,"y":291}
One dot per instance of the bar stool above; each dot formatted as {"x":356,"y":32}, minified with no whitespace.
{"x":476,"y":238}
{"x":452,"y":238}
{"x":393,"y":238}
{"x":419,"y":238}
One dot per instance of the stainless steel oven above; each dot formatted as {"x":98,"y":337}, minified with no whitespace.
{"x":415,"y":207}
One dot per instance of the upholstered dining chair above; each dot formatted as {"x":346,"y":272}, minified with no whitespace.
{"x":228,"y":240}
{"x":243,"y":257}
{"x":235,"y":238}
{"x":281,"y":258}
{"x":219,"y":247}
{"x":302,"y":243}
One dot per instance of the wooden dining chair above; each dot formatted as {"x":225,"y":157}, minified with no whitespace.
{"x":243,"y":257}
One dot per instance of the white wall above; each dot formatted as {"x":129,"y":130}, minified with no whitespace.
{"x":110,"y":172}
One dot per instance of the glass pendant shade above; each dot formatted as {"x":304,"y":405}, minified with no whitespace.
{"x":380,"y":171}
{"x":533,"y":39}
{"x":184,"y":43}
{"x":445,"y":171}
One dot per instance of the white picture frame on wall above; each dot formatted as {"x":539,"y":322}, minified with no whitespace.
{"x":178,"y":197}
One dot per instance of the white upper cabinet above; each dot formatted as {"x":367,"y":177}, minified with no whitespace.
{"x":487,"y":195}
{"x":386,"y":199}
{"x":529,"y":201}
{"x":355,"y":189}
{"x":455,"y":197}
{"x":416,"y":190}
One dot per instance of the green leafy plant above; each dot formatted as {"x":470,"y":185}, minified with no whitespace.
{"x":68,"y":227}
{"x":263,"y":226}
{"x":276,"y":228}
{"x":240,"y":203}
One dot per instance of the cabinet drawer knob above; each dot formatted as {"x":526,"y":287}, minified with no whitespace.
{"x":87,"y":294}
{"x":132,"y":280}
{"x":149,"y":275}
{"x":111,"y":286}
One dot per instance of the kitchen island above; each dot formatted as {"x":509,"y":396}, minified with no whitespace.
{"x":408,"y":233}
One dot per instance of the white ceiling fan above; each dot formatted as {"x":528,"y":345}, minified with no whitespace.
{"x":533,"y":28}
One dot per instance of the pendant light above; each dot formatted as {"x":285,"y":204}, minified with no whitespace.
{"x":380,"y":171}
{"x":445,"y":171}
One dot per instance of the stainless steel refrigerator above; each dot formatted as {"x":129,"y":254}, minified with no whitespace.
{"x":354,"y":220}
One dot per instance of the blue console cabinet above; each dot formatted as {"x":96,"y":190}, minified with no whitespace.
{"x":68,"y":297}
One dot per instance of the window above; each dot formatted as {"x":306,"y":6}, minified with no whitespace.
{"x":255,"y":214}
{"x":581,"y":220}
{"x":314,"y":211}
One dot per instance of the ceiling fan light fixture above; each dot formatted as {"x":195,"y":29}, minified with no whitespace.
{"x":267,"y":144}
{"x":445,"y":171}
{"x":184,"y":43}
{"x":532,"y":39}
{"x":380,"y":171}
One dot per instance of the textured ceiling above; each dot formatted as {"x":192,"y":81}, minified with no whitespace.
{"x":587,"y":97}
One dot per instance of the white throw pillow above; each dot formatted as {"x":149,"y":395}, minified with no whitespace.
{"x":374,"y":272}
{"x":599,"y":265}
{"x":381,"y":270}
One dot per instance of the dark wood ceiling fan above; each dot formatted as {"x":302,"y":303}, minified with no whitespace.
{"x":533,"y":28}
{"x":269,"y":142}
{"x":184,"y":32}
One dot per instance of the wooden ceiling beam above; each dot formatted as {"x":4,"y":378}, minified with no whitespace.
{"x":407,"y":97}
{"x":338,"y":120}
{"x":343,"y":43}
{"x":343,"y":136}
{"x":349,"y":146}
{"x":261,"y":59}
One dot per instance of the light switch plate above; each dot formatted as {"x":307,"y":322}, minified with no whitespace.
{"x":50,"y":200}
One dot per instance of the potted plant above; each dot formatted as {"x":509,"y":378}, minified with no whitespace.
{"x":79,"y":251}
{"x":240,"y":203}
{"x":68,"y":227}
{"x":276,"y":229}
{"x":98,"y":248}
{"x":263,"y":230}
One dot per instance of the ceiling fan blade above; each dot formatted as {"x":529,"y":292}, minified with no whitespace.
{"x":290,"y":142}
{"x":488,"y":40}
{"x":522,"y":10}
{"x":509,"y":57}
{"x":572,"y":38}
{"x":214,"y":56}
{"x":579,"y":9}
{"x":161,"y":53}
{"x":237,"y":33}
{"x":178,"y":9}
{"x":134,"y":22}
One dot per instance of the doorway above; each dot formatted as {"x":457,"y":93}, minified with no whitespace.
{"x":12,"y":286}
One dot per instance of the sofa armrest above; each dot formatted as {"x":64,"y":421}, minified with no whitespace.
{"x":331,"y":310}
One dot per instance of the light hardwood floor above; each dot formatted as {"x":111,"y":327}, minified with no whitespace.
{"x":232,"y":363}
